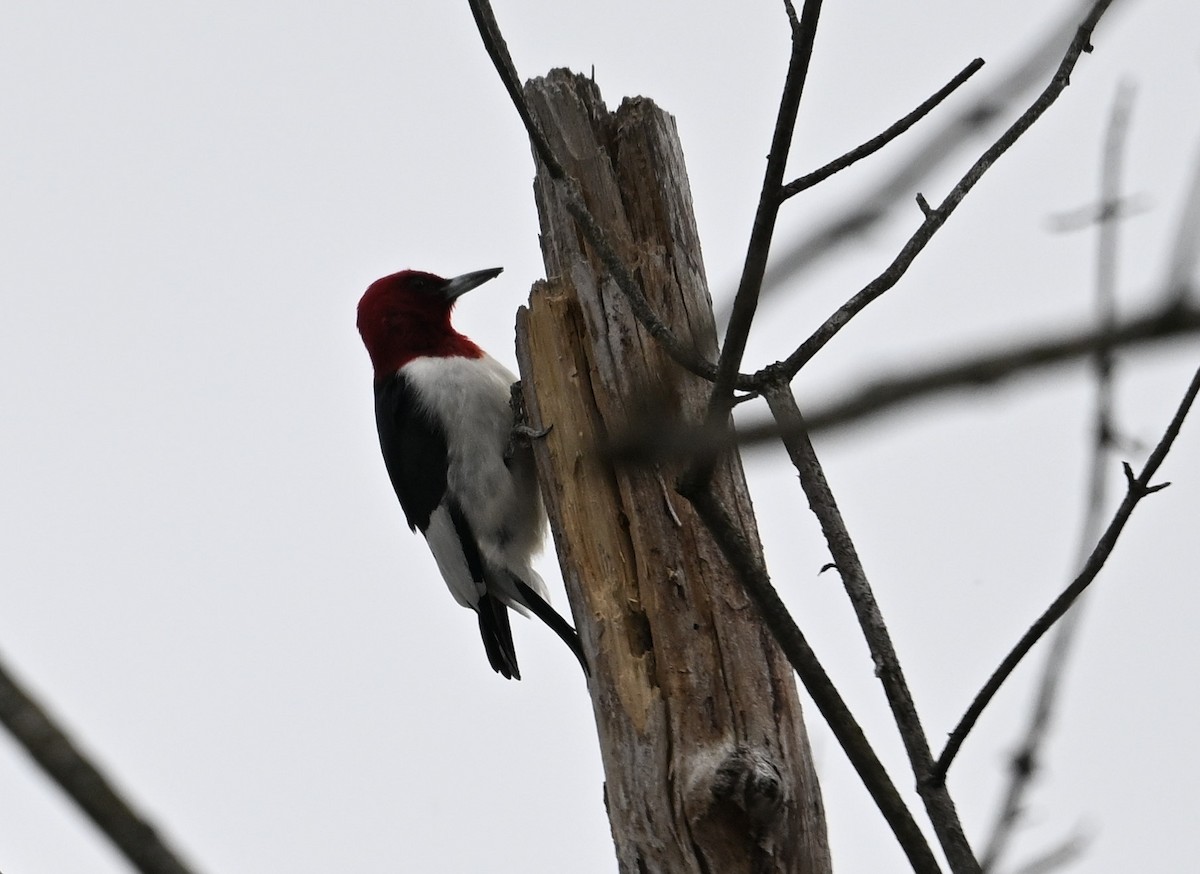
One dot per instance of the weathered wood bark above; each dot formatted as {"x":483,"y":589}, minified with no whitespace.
{"x":707,"y":763}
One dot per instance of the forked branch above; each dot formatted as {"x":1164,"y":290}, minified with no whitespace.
{"x":873,"y":145}
{"x":1025,"y":759}
{"x":937,"y":217}
{"x":745,"y":303}
{"x":938,"y":802}
{"x":1137,"y":487}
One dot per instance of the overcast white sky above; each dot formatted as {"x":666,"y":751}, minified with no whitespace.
{"x":203,"y":569}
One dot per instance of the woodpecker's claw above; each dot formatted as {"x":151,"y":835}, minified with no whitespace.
{"x":529,"y":432}
{"x":522,"y":431}
{"x":522,"y":434}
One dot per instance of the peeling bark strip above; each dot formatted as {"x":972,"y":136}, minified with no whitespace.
{"x":707,"y":764}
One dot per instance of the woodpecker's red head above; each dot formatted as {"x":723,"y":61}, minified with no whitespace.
{"x":407,"y":315}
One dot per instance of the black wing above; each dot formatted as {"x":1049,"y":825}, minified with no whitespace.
{"x":414,"y":450}
{"x":494,"y":626}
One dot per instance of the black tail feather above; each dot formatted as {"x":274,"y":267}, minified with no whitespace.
{"x":496,"y":631}
{"x":558,"y":625}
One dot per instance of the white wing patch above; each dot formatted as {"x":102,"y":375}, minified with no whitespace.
{"x":448,"y":553}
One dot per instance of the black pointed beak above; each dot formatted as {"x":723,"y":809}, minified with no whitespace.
{"x":460,"y":285}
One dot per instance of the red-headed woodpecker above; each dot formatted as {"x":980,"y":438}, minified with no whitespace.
{"x":446,"y":430}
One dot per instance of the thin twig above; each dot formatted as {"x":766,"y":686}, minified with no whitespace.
{"x":938,"y":802}
{"x":655,"y":440}
{"x":745,"y":303}
{"x":876,"y":143}
{"x":88,"y":787}
{"x":497,"y":49}
{"x":748,"y":565}
{"x":1024,"y":765}
{"x":939,"y":145}
{"x":885,"y":394}
{"x":1137,"y":487}
{"x":936,"y":218}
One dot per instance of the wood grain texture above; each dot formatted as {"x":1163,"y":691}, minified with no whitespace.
{"x":707,"y":764}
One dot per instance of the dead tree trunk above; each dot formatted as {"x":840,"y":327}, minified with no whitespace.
{"x":707,"y":763}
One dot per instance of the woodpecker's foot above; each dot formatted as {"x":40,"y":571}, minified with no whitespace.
{"x":522,"y":432}
{"x":523,"y":435}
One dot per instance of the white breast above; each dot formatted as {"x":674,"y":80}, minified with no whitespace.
{"x":501,"y":501}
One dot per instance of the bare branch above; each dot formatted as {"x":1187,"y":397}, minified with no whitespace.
{"x":1137,"y":487}
{"x":885,"y":394}
{"x":937,"y":800}
{"x":1024,"y":765}
{"x":804,"y":32}
{"x":936,"y":149}
{"x":793,"y":19}
{"x":75,"y":774}
{"x":659,"y":439}
{"x":497,"y":50}
{"x":876,"y":143}
{"x":753,"y":574}
{"x":936,"y":218}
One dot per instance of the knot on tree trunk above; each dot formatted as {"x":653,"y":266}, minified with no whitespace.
{"x":742,"y":778}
